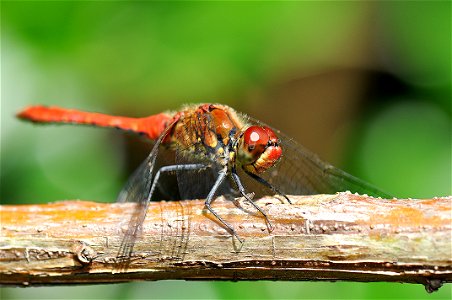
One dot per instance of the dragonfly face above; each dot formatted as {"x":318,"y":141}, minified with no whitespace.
{"x":258,"y":149}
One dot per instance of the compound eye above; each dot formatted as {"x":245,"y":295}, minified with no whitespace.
{"x":255,"y":139}
{"x":272,"y":137}
{"x":259,"y":149}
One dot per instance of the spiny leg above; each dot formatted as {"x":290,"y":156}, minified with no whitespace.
{"x":195,"y":167}
{"x":218,"y":182}
{"x":173,"y":168}
{"x":242,"y":191}
{"x":267,"y":184}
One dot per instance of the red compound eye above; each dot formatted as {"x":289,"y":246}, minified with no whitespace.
{"x":259,"y":149}
{"x":256,"y":138}
{"x":271,"y":135}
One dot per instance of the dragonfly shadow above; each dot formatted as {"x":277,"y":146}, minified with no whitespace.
{"x":226,"y":226}
{"x":229,"y":227}
{"x":238,"y":202}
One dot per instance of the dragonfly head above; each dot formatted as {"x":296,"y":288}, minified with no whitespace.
{"x":258,"y":149}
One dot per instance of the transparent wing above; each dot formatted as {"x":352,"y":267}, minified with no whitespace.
{"x":137,"y":190}
{"x":135,"y":187}
{"x":301,"y":172}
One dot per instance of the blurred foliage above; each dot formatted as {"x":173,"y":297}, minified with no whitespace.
{"x":382,"y":111}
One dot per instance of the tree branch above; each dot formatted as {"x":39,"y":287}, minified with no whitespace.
{"x":321,"y":237}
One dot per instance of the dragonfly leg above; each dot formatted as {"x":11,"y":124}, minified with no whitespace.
{"x":220,"y":179}
{"x":173,"y":168}
{"x":267,"y":184}
{"x":242,"y":191}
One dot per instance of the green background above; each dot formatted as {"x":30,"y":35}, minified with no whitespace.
{"x":366,"y":85}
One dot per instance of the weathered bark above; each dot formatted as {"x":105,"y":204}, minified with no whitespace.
{"x":321,"y":237}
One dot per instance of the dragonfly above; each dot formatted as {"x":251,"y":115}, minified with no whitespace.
{"x":217,"y":151}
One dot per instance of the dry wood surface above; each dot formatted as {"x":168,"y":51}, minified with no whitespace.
{"x":321,"y":237}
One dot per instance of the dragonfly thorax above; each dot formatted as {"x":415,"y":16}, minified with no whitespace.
{"x":207,"y":132}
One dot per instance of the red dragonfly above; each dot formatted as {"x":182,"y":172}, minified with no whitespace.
{"x":217,"y":151}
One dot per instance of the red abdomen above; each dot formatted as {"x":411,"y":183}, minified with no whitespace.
{"x":151,"y":126}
